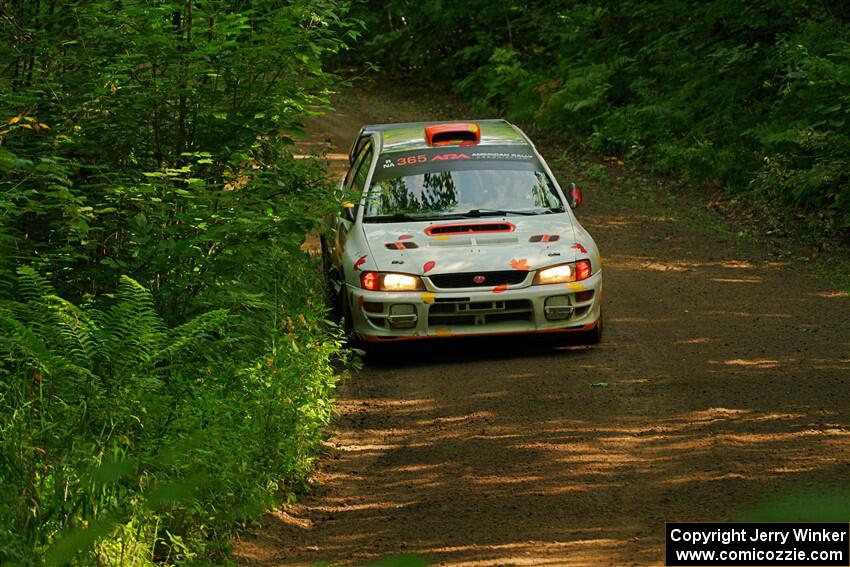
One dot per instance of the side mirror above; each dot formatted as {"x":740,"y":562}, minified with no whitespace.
{"x":574,"y":196}
{"x":348,"y":210}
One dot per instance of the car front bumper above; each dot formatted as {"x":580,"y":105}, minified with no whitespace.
{"x":379,"y":316}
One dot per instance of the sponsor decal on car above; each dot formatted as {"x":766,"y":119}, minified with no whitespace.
{"x":399,"y":164}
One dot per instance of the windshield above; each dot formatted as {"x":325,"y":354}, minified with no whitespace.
{"x":415,"y":187}
{"x":460,"y":192}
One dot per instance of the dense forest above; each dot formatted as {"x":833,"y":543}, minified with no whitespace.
{"x":167,"y":368}
{"x":750,"y":97}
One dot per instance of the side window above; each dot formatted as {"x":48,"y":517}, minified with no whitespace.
{"x":363,"y":171}
{"x":355,"y":181}
{"x":364,"y":154}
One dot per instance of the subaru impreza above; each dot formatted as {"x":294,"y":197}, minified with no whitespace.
{"x":459,"y":229}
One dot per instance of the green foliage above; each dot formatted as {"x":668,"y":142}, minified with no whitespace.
{"x":821,"y":504}
{"x":150,"y":440}
{"x":124,"y":126}
{"x":81,"y":388}
{"x":753,"y":98}
{"x":166,"y":367}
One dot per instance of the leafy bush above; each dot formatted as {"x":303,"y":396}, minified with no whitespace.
{"x":83,"y":387}
{"x":113,"y":420}
{"x":166,"y":367}
{"x":125,"y":131}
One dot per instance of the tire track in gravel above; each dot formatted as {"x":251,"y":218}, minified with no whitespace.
{"x":727,"y":383}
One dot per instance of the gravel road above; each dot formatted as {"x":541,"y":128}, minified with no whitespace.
{"x":726,"y":384}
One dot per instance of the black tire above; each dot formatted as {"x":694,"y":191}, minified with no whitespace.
{"x":345,"y":313}
{"x":594,"y":336}
{"x":332,"y":285}
{"x":336,"y":297}
{"x":351,"y":337}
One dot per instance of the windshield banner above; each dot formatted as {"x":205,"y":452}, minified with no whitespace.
{"x":417,"y":162}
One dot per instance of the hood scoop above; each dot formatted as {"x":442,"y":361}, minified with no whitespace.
{"x":469,"y":228}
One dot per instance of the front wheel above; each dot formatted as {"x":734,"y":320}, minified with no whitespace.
{"x":331,"y":285}
{"x":594,"y":336}
{"x":352,"y":339}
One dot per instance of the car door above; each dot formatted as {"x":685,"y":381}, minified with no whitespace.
{"x":353,"y":184}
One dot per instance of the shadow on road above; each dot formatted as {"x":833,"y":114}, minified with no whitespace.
{"x":459,"y":350}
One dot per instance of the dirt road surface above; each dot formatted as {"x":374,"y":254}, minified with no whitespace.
{"x":728,"y":382}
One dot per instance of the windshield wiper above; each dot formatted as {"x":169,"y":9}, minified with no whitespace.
{"x":500,"y":213}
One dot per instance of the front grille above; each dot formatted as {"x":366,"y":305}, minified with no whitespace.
{"x":491,"y":279}
{"x":479,"y":313}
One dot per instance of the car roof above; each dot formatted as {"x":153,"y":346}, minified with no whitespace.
{"x":411,"y":135}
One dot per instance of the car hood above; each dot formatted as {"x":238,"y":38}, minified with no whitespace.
{"x":470,"y":245}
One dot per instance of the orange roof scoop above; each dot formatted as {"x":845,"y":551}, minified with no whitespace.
{"x":452,"y":133}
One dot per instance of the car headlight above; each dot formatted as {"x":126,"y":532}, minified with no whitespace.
{"x":400,"y":282}
{"x":377,"y":281}
{"x":563,"y":273}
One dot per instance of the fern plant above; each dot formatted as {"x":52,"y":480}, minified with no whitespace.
{"x":82,"y":387}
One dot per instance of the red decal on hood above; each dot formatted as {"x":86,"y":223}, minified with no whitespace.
{"x":544,"y":238}
{"x":405,"y":237}
{"x":500,"y":288}
{"x":359,"y":262}
{"x":521,"y":264}
{"x":401,"y":245}
{"x":429,"y":265}
{"x":578,"y":246}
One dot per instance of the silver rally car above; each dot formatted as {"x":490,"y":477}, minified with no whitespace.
{"x":459,"y":229}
